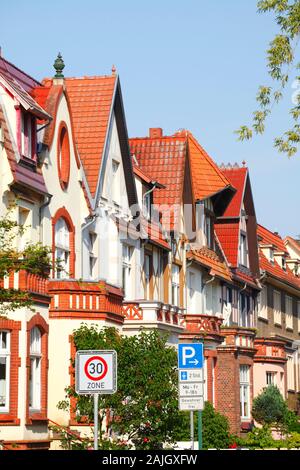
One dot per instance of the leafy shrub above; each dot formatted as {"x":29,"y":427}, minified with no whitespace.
{"x":269,"y":407}
{"x":215,"y":429}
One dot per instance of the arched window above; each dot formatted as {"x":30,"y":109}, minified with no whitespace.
{"x":35,"y":369}
{"x":62,"y":249}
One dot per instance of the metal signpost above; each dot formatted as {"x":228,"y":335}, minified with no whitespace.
{"x":190,"y":375}
{"x":96,"y":374}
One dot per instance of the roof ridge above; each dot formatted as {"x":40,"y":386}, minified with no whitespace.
{"x":208,"y":158}
{"x":272,"y":233}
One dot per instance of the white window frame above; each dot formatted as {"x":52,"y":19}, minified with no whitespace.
{"x":115,"y":171}
{"x":289,"y":313}
{"x":277,"y":307}
{"x":5,"y":354}
{"x":62,"y":248}
{"x":291,"y":382}
{"x":262,"y":305}
{"x":147,"y":274}
{"x":26,"y":138}
{"x":35,"y":352}
{"x":175,"y":285}
{"x":243,"y":250}
{"x":92,"y":238}
{"x":271,"y":378}
{"x":147,"y":205}
{"x":245,"y":392}
{"x":127,"y":252}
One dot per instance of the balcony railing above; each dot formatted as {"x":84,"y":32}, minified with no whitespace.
{"x":202,"y":325}
{"x":27,"y":282}
{"x":90,"y":300}
{"x":151,"y":312}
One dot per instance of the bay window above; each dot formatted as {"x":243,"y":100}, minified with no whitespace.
{"x":4,"y":370}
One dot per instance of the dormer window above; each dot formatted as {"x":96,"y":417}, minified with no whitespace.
{"x":26,"y":134}
{"x":283,"y":263}
{"x":243,"y":250}
{"x":271,"y":255}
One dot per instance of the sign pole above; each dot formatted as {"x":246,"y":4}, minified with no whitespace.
{"x":96,"y":418}
{"x":200,"y":430}
{"x":192,"y":428}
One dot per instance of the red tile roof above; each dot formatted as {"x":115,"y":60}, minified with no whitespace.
{"x":164,"y":159}
{"x":273,"y":268}
{"x":211,"y":260}
{"x":228,"y":235}
{"x":237,"y":178}
{"x":91,"y":100}
{"x":270,"y":238}
{"x":207,"y":178}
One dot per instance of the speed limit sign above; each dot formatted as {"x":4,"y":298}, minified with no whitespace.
{"x":96,"y":372}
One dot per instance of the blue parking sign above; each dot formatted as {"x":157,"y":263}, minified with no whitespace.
{"x":190,"y":356}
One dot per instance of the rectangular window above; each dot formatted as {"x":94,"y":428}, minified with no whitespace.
{"x":4,"y":370}
{"x":245,"y":314}
{"x":243,"y":249}
{"x":208,"y":230}
{"x":92,"y":257}
{"x":245,"y":392}
{"x":115,"y":180}
{"x":35,"y":369}
{"x":25,"y":220}
{"x":126,"y":269}
{"x":175,"y":284}
{"x":28,"y":135}
{"x":290,"y":373}
{"x":271,"y":378}
{"x":147,"y":272}
{"x":262,"y":306}
{"x":289,"y":313}
{"x":277,"y":307}
{"x":147,"y":206}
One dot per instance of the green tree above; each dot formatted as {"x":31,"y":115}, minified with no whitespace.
{"x":145,"y":407}
{"x":216,"y":433}
{"x":34,"y":258}
{"x":281,"y":62}
{"x":269,"y":408}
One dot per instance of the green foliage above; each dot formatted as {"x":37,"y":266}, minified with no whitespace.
{"x":269,"y":407}
{"x":145,"y":407}
{"x":215,"y":429}
{"x":260,"y":438}
{"x":281,"y":58}
{"x":291,"y":422}
{"x":34,"y":258}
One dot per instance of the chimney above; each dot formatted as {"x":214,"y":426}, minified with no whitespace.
{"x":155,"y":132}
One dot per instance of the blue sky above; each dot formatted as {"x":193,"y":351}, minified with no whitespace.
{"x":191,"y":64}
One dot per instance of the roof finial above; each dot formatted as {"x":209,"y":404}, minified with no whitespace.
{"x":59,"y":65}
{"x":113,"y":70}
{"x":244,"y":163}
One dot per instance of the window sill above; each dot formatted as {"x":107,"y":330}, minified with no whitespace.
{"x":28,"y":161}
{"x":278,"y":324}
{"x":8,"y":420}
{"x":265,"y":320}
{"x":289,"y":329}
{"x":37,"y":418}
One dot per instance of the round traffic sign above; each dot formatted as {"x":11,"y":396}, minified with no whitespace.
{"x":95,"y":368}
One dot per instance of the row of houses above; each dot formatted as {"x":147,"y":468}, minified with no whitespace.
{"x":149,"y":233}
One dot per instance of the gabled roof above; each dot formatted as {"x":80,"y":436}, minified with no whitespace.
{"x":10,"y":70}
{"x":237,"y":177}
{"x":266,"y":237}
{"x":207,"y":178}
{"x":91,"y":100}
{"x":164,"y":159}
{"x":212,"y":261}
{"x":293,"y":242}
